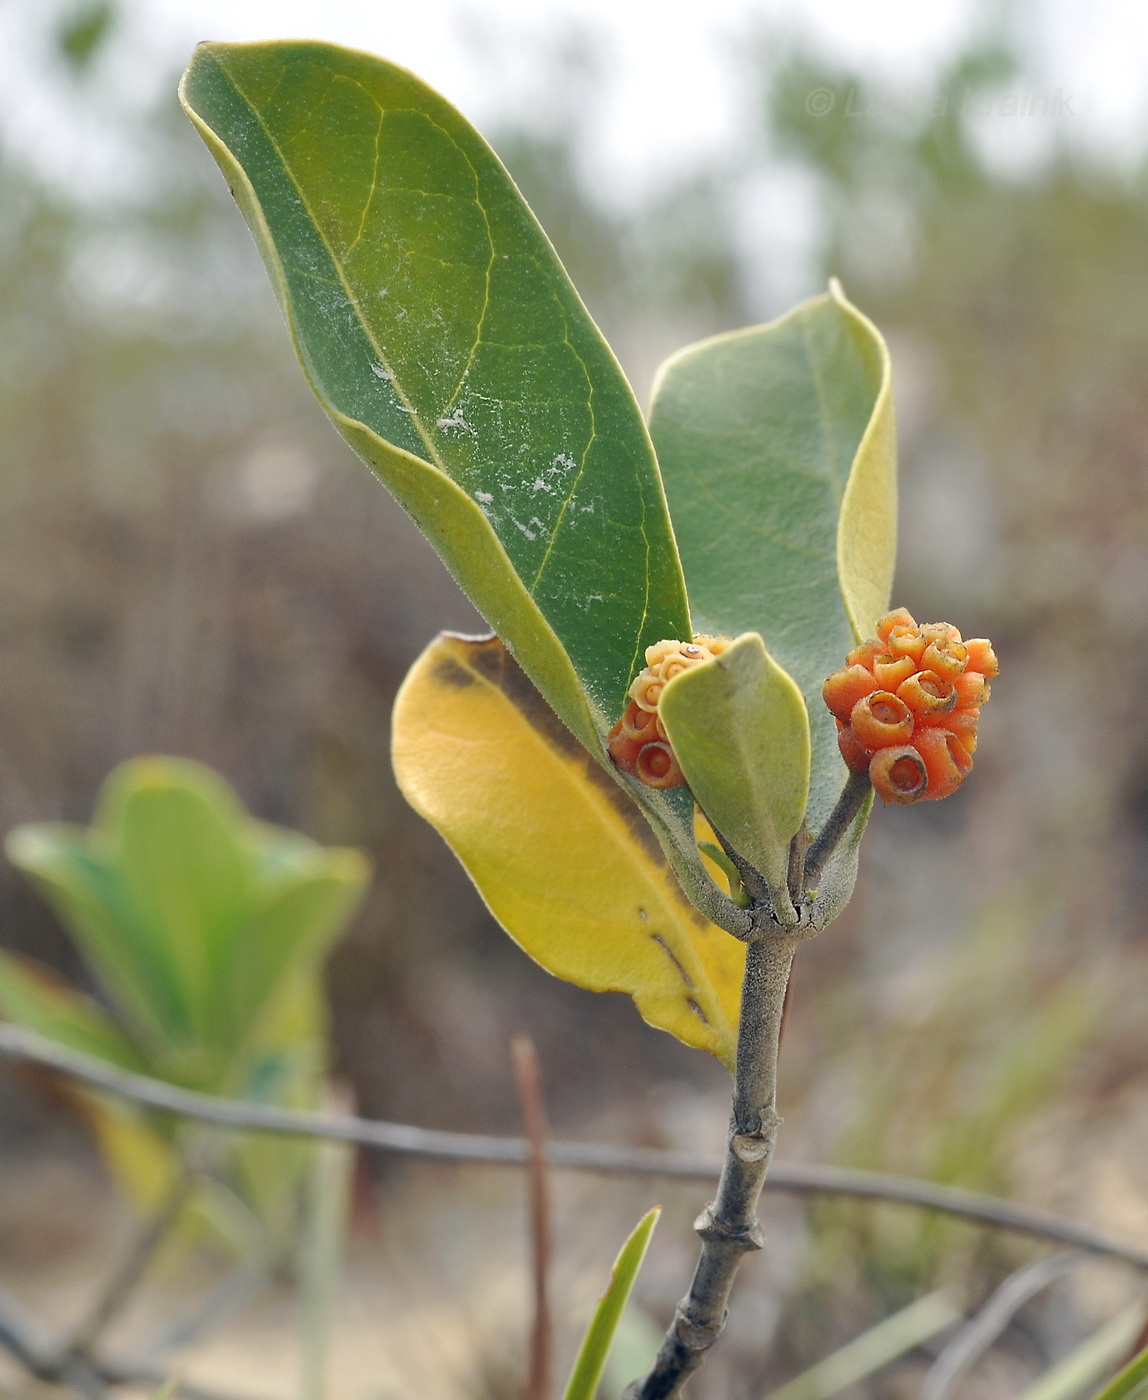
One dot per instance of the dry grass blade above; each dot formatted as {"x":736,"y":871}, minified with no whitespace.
{"x":528,"y":1081}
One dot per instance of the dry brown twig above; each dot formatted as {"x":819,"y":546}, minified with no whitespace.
{"x":528,"y":1082}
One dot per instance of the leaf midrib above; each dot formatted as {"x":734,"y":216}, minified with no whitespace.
{"x":836,"y":487}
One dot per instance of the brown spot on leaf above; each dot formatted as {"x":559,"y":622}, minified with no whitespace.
{"x":669,"y":952}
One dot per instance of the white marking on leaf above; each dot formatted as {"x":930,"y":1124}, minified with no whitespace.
{"x":455,"y":420}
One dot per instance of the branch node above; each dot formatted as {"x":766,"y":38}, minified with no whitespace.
{"x":695,"y":1336}
{"x":753,"y":1147}
{"x":744,"y":1238}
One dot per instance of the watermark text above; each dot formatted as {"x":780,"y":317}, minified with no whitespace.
{"x":1053,"y":105}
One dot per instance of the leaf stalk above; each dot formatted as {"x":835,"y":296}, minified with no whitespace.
{"x":852,"y":798}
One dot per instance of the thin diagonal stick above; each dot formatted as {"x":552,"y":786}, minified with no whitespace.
{"x":118,"y":1290}
{"x":973,"y":1340}
{"x":528,"y":1081}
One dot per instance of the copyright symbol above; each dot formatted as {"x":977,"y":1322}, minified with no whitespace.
{"x":820,"y":102}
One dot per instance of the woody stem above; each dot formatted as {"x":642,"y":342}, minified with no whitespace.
{"x":728,"y":1226}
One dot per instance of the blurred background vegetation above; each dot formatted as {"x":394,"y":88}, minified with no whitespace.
{"x":192,"y":563}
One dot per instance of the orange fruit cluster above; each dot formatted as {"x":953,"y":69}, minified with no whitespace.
{"x":907,"y":705}
{"x":638,"y":743}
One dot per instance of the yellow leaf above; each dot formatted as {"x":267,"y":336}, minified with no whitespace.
{"x":562,"y":857}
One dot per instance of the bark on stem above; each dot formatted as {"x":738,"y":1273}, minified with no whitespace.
{"x":728,"y":1226}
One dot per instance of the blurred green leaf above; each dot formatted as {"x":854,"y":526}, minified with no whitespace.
{"x":83,"y":33}
{"x":776,"y":445}
{"x":207,"y":929}
{"x":193,"y":916}
{"x":34,"y":997}
{"x":442,"y":335}
{"x":740,"y":732}
{"x":591,"y":1359}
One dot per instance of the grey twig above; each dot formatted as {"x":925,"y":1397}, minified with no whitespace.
{"x":128,"y":1373}
{"x":528,"y":1081}
{"x":118,"y":1290}
{"x":728,"y":1226}
{"x":219,"y":1303}
{"x":18,"y":1335}
{"x":978,"y":1335}
{"x":853,"y":795}
{"x":87,"y":1376}
{"x":811,"y":1179}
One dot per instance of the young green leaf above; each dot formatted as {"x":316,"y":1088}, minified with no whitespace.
{"x":561,"y":857}
{"x":591,"y":1359}
{"x":739,"y":730}
{"x":776,"y":446}
{"x":442,"y":335}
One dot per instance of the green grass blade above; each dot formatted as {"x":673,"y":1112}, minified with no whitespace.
{"x":1132,"y":1382}
{"x":595,"y":1348}
{"x":1075,"y":1374}
{"x":860,"y":1358}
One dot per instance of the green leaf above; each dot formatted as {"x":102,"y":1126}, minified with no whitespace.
{"x":136,"y":969}
{"x":173,"y":836}
{"x":739,"y":730}
{"x":297,"y":912}
{"x":776,"y":447}
{"x":34,"y":997}
{"x":442,"y":335}
{"x":592,"y":1354}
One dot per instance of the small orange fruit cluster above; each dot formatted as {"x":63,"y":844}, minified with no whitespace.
{"x":907,"y":705}
{"x":638,"y":743}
